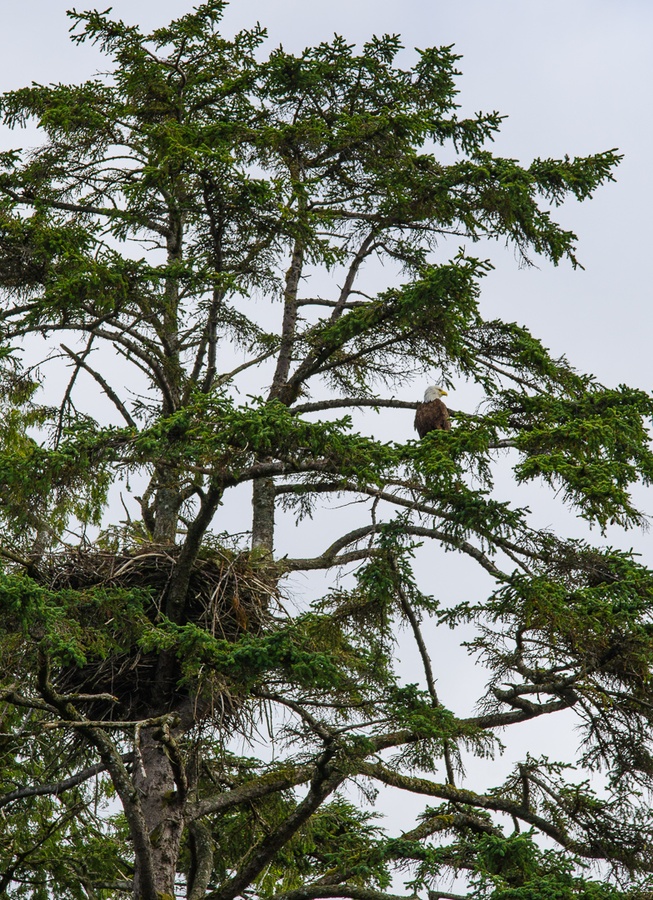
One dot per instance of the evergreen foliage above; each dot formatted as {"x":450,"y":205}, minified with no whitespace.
{"x":170,"y":216}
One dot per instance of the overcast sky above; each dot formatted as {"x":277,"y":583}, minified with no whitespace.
{"x":573,"y":76}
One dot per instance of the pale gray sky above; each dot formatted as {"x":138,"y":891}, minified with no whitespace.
{"x":573,"y":76}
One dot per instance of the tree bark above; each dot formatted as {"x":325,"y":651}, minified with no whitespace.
{"x":263,"y":515}
{"x":263,"y":490}
{"x":166,"y":509}
{"x":162,"y":804}
{"x":201,"y":846}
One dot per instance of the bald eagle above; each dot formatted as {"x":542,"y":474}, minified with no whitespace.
{"x":432,"y":414}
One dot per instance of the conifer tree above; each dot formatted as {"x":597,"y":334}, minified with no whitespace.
{"x":159,"y":242}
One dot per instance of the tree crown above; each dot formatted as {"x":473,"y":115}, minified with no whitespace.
{"x":164,"y":240}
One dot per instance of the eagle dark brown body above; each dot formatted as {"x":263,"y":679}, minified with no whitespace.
{"x":432,"y":415}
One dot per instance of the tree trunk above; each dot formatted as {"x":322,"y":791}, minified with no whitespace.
{"x":163,"y":806}
{"x":166,"y":509}
{"x":201,"y":868}
{"x":263,"y":515}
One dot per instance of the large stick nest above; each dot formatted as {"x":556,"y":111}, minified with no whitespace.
{"x":229,"y":594}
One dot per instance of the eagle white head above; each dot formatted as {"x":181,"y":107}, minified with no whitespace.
{"x":434,"y":393}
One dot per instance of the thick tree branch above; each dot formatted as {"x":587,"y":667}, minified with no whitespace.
{"x":202,"y":853}
{"x":288,"y":328}
{"x":328,"y":559}
{"x":348,"y":402}
{"x":368,"y":245}
{"x":331,"y":556}
{"x":262,"y":786}
{"x":177,"y":590}
{"x":494,"y":803}
{"x":15,"y":557}
{"x":316,"y":301}
{"x":11,"y":695}
{"x":525,"y":712}
{"x":325,"y":562}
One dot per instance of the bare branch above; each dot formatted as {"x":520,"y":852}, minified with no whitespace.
{"x":423,"y":652}
{"x":58,"y":787}
{"x":106,"y":387}
{"x":446,"y":895}
{"x":85,"y":208}
{"x":330,"y":556}
{"x":348,"y":402}
{"x":131,"y":348}
{"x":416,"y":530}
{"x":316,"y":301}
{"x":227,"y":376}
{"x":15,"y":557}
{"x":325,"y":562}
{"x":522,"y":714}
{"x":362,"y":253}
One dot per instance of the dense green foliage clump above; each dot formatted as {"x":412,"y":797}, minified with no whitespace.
{"x":159,"y":244}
